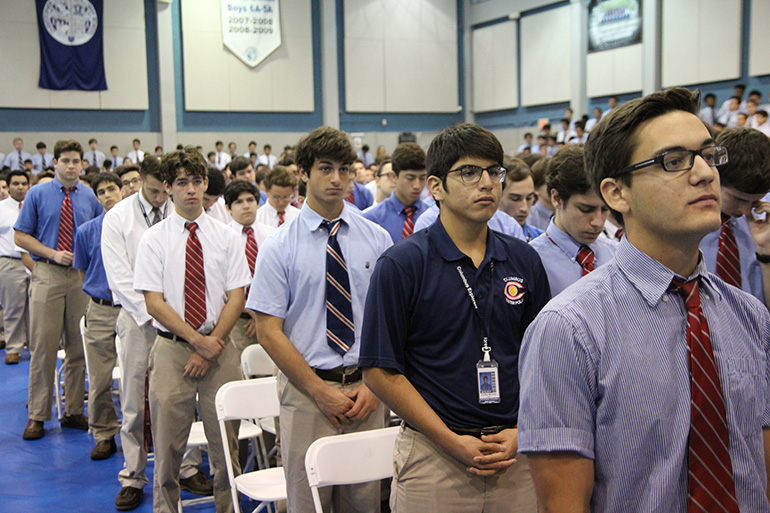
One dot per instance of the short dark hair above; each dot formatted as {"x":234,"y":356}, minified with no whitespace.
{"x":709,"y":95}
{"x":92,"y":140}
{"x":408,"y":155}
{"x":762,"y":112}
{"x":238,"y":187}
{"x":105,"y":177}
{"x":66,"y":145}
{"x":323,"y":142}
{"x":287,"y":160}
{"x":40,"y":145}
{"x":92,"y":170}
{"x":539,"y":170}
{"x":113,"y":147}
{"x":17,"y":172}
{"x":517,"y":170}
{"x":614,"y":139}
{"x":280,"y":176}
{"x":122,"y":170}
{"x":748,"y":169}
{"x":755,"y":92}
{"x":736,"y":98}
{"x":239,"y":163}
{"x":459,"y":141}
{"x":531,"y":159}
{"x":267,"y":147}
{"x":159,"y":148}
{"x":151,"y":167}
{"x":217,"y":182}
{"x":252,"y":142}
{"x":579,"y":124}
{"x":218,"y":143}
{"x":188,"y":159}
{"x":137,"y":140}
{"x":566,"y":172}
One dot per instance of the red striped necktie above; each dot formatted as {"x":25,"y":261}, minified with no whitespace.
{"x":728,"y":258}
{"x":281,"y":218}
{"x":66,"y":222}
{"x":408,"y":222}
{"x":194,"y":279}
{"x":585,"y":258}
{"x":711,"y":486}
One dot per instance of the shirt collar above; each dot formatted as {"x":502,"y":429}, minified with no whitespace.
{"x":448,"y":250}
{"x":651,"y":278}
{"x":58,"y":185}
{"x":399,"y":206}
{"x":313,"y":219}
{"x":178,"y":221}
{"x":564,"y":240}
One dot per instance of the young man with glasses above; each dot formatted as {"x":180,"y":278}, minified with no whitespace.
{"x":462,"y":291}
{"x":312,"y":276}
{"x":739,"y":251}
{"x":398,"y":213}
{"x":279,"y":184}
{"x":652,"y":392}
{"x":131,"y":178}
{"x":383,"y":184}
{"x":571,"y":246}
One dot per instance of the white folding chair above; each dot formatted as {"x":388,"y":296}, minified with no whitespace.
{"x":251,"y":399}
{"x":349,"y":459}
{"x":256,"y":362}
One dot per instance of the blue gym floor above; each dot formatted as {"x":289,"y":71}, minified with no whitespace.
{"x":56,"y":472}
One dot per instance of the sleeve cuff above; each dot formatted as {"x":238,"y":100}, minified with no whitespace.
{"x":557,"y":439}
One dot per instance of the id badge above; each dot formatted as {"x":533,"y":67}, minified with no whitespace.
{"x":489,"y":386}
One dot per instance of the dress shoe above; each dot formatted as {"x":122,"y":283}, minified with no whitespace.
{"x":34,"y":430}
{"x":76,"y":421}
{"x":197,"y":484}
{"x":11,"y":358}
{"x":104,"y":449}
{"x":128,"y":498}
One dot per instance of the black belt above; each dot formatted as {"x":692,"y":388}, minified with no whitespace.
{"x":246,"y":316}
{"x":12,"y":258}
{"x":103,"y":302}
{"x":475,"y":432}
{"x":343,"y":375}
{"x":175,"y":338}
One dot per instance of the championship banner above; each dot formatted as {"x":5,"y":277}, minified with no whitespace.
{"x":614,"y":23}
{"x":251,"y":29}
{"x":71,"y":49}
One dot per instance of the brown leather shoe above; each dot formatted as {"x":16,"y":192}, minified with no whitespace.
{"x":34,"y":430}
{"x":197,"y":484}
{"x":128,"y":498}
{"x":11,"y":358}
{"x":76,"y":421}
{"x":104,"y":449}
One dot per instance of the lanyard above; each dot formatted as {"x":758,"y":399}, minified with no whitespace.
{"x":144,"y":212}
{"x":487,"y":321}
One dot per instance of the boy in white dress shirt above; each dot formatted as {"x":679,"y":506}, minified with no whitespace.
{"x":280,"y":184}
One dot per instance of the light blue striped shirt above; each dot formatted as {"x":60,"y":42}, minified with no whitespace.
{"x":290,"y":279}
{"x":604,"y":373}
{"x":558,"y":251}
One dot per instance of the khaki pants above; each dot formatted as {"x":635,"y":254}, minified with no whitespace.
{"x":302,"y":423}
{"x":136,"y":343}
{"x":172,"y":409}
{"x":426,"y":478}
{"x":14,"y":296}
{"x":101,"y":356}
{"x":239,"y":337}
{"x":56,"y":302}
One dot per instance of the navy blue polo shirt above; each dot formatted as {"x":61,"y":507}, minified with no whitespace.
{"x":420,"y":322}
{"x":88,"y":257}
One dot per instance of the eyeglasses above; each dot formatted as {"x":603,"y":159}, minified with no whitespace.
{"x":472,"y":174}
{"x":283,"y":198}
{"x":682,"y":160}
{"x":132,"y":182}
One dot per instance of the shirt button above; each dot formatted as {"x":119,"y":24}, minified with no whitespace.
{"x":665,"y":298}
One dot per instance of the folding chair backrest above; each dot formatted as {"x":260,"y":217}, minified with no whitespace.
{"x":247,"y":399}
{"x":351,"y":458}
{"x":256,"y":362}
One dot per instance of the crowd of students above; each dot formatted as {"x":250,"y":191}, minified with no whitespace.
{"x":585,"y":330}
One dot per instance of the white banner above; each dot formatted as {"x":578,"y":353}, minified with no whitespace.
{"x":251,"y":29}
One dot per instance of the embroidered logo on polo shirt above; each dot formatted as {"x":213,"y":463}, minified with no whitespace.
{"x":514,"y":290}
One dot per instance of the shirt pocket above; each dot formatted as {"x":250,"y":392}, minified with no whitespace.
{"x":745,"y":389}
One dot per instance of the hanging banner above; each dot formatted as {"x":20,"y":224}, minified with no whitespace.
{"x":614,"y":23}
{"x":71,"y":47}
{"x":251,"y":29}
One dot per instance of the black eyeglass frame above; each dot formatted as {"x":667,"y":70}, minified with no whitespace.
{"x":660,"y":159}
{"x":460,"y":169}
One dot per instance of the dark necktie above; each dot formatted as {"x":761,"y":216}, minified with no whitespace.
{"x":194,"y":279}
{"x":711,"y":486}
{"x":619,"y":233}
{"x":21,"y":162}
{"x":156,"y":217}
{"x":64,"y":242}
{"x":728,"y":260}
{"x":408,"y":228}
{"x":585,"y":258}
{"x":340,"y":334}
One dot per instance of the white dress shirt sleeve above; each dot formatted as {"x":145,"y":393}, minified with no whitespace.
{"x":148,"y":276}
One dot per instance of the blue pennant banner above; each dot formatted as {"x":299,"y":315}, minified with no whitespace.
{"x":71,"y":44}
